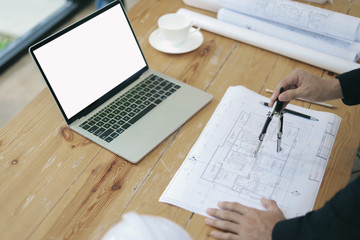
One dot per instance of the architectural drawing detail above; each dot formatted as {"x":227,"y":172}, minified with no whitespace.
{"x":221,"y":165}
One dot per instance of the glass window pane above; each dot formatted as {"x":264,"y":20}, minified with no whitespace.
{"x":18,"y":17}
{"x":24,"y":22}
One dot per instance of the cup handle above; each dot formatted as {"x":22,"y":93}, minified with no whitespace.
{"x":194,"y":29}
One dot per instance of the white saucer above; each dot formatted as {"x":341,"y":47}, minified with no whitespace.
{"x":194,"y":41}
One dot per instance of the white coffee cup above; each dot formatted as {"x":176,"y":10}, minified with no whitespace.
{"x":175,"y":28}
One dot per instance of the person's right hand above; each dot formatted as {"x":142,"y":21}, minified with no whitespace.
{"x":302,"y":84}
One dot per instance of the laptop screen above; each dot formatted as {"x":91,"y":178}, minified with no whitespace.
{"x":83,"y":64}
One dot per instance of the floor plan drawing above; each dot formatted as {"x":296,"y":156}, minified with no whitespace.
{"x":221,"y":165}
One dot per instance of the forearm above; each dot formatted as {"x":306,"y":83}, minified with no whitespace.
{"x":331,"y":89}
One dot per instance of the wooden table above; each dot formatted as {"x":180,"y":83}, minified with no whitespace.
{"x":56,"y":184}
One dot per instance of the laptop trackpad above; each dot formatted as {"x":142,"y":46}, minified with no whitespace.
{"x":151,"y":130}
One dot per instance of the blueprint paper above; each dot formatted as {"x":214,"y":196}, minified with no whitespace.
{"x":300,"y":15}
{"x":285,"y":48}
{"x":221,"y":165}
{"x":298,"y":23}
{"x":291,"y":13}
{"x":333,"y":46}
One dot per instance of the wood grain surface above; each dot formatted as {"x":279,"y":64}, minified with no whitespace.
{"x":55,"y":184}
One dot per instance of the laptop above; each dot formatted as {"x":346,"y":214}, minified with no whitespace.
{"x":103,"y":86}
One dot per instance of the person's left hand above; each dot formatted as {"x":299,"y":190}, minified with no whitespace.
{"x":237,"y":221}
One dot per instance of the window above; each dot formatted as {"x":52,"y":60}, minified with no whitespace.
{"x":24,"y":22}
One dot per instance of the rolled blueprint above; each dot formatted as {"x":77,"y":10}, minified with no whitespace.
{"x":314,"y":41}
{"x":300,"y":15}
{"x":210,"y":5}
{"x":291,"y":50}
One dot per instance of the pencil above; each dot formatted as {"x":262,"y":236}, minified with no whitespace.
{"x":299,"y":114}
{"x":304,"y":100}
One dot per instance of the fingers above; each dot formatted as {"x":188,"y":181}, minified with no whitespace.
{"x":224,"y":235}
{"x":288,"y":95}
{"x":276,"y":94}
{"x":272,"y":99}
{"x":223,"y":214}
{"x":227,"y":219}
{"x":272,"y":206}
{"x":233,"y":206}
{"x":288,"y":83}
{"x":269,"y":204}
{"x":236,"y":221}
{"x":222,"y":225}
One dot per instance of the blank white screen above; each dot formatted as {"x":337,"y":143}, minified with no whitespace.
{"x":90,"y":60}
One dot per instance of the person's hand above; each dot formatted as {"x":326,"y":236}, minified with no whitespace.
{"x":237,"y":221}
{"x":302,"y":84}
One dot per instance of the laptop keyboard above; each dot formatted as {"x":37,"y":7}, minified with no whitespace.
{"x":126,"y":110}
